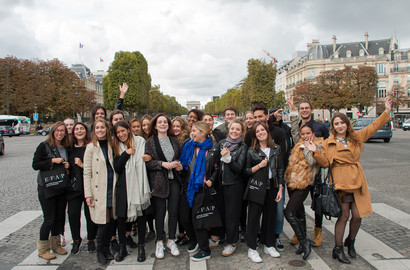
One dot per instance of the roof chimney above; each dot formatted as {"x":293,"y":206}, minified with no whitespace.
{"x":334,"y":43}
{"x":366,"y":36}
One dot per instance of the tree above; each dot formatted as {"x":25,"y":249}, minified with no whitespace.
{"x":280,"y":99}
{"x":258,"y":86}
{"x":132,"y":68}
{"x":398,"y":96}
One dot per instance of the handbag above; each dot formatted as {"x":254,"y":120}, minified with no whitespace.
{"x":325,"y":198}
{"x":255,"y":191}
{"x":206,"y":211}
{"x":55,"y":181}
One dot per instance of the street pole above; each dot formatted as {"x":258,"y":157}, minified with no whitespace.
{"x":7,"y":79}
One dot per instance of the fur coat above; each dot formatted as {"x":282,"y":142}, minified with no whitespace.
{"x":302,"y":167}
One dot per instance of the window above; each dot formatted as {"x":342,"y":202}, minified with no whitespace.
{"x":381,"y":50}
{"x":361,"y":52}
{"x":381,"y":89}
{"x":397,"y":56}
{"x":396,"y":68}
{"x":311,"y":56}
{"x":396,"y":79}
{"x":348,"y":53}
{"x":311,"y":73}
{"x":408,"y":78}
{"x":381,"y":69}
{"x":408,"y":91}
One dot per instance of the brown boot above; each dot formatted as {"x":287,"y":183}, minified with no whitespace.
{"x":55,"y":245}
{"x":317,"y":238}
{"x":43,"y":248}
{"x":294,"y":240}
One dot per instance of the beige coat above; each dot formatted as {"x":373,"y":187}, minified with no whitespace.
{"x":347,"y":171}
{"x":95,"y":181}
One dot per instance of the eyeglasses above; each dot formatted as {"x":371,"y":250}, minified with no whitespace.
{"x":60,"y":130}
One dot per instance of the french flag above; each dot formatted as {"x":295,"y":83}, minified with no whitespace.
{"x":81,"y":46}
{"x":101,"y":60}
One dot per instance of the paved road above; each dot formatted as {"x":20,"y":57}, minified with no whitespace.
{"x":383,"y":242}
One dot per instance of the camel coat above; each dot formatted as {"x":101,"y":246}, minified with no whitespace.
{"x":95,"y":182}
{"x":347,"y":171}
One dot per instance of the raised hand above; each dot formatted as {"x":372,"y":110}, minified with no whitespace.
{"x":388,"y":102}
{"x":289,"y":101}
{"x":123,"y":89}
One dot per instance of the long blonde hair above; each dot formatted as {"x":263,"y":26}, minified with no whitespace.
{"x":185,"y":129}
{"x":204,"y":127}
{"x":107,"y":135}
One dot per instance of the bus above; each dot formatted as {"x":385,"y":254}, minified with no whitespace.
{"x":16,"y":125}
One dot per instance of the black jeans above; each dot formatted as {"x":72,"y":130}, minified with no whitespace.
{"x":269,"y":209}
{"x":74,"y":218}
{"x":185,"y":216}
{"x":124,"y":226}
{"x":53,"y":214}
{"x":160,"y":205}
{"x":233,"y":206}
{"x":104,"y":236}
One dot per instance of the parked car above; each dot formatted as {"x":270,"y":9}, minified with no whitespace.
{"x":406,"y":125}
{"x":44,"y":132}
{"x":7,"y":131}
{"x":1,"y":145}
{"x":385,"y":133}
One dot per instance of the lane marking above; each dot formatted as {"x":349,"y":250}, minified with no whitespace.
{"x":393,"y":214}
{"x":368,"y":246}
{"x":17,"y":221}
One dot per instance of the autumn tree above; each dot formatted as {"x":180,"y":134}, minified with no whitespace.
{"x":132,"y":68}
{"x":399,"y":96}
{"x":258,"y":86}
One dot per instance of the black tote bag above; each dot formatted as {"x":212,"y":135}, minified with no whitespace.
{"x":55,"y":181}
{"x":326,"y":199}
{"x":206,"y":212}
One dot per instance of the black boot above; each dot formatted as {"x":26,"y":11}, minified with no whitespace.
{"x":130,"y":242}
{"x":122,"y":253}
{"x":100,"y":253}
{"x":141,"y":253}
{"x":114,"y":245}
{"x":349,"y":243}
{"x":305,"y":245}
{"x":340,"y":255}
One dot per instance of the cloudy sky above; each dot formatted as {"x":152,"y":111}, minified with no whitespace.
{"x":195,"y":48}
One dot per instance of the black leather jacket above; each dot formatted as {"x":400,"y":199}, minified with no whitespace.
{"x":275,"y":164}
{"x":231,"y":173}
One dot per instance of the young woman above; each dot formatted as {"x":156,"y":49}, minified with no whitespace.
{"x":99,"y":186}
{"x":233,"y":159}
{"x":300,"y":176}
{"x":135,"y":125}
{"x":98,"y":112}
{"x":181,"y":129}
{"x":48,"y":153}
{"x":264,"y":165}
{"x":343,"y":149}
{"x":164,"y":150}
{"x":194,"y":115}
{"x":145,"y":120}
{"x":199,"y":157}
{"x":75,"y":196}
{"x":216,"y":133}
{"x":132,"y":191}
{"x":249,"y":120}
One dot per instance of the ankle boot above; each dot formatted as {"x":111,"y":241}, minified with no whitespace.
{"x":317,"y":238}
{"x":43,"y":248}
{"x":141,"y":253}
{"x":100,"y":254}
{"x":349,"y":243}
{"x":307,"y":248}
{"x":122,"y":253}
{"x":55,"y":245}
{"x":294,"y":240}
{"x":339,"y":254}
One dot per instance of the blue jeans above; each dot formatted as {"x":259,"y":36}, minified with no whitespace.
{"x":280,"y":218}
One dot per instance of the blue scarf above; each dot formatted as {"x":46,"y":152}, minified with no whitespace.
{"x":196,"y":181}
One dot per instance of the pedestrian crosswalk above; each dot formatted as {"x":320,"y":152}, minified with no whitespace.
{"x":371,"y":249}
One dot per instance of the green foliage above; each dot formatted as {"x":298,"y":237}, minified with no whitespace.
{"x":159,"y":102}
{"x":132,"y":68}
{"x":232,"y":98}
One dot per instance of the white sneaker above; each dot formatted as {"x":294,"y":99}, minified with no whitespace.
{"x":254,"y":255}
{"x":271,"y":251}
{"x":228,"y":250}
{"x":213,"y":244}
{"x":173,"y":247}
{"x":159,"y":250}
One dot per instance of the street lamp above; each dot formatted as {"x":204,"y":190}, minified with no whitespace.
{"x":75,"y":93}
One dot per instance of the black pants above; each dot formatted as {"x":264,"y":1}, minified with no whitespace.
{"x":160,"y":205}
{"x":53,"y":214}
{"x":233,"y":206}
{"x":74,"y":218}
{"x":185,"y":216}
{"x":269,"y":209}
{"x":124,"y":226}
{"x":104,"y":235}
{"x":201,"y":235}
{"x":318,"y":217}
{"x":296,"y":199}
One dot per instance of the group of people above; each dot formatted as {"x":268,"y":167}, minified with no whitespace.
{"x":128,"y":175}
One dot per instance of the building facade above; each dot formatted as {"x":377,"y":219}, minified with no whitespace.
{"x":92,"y":82}
{"x":391,"y":63}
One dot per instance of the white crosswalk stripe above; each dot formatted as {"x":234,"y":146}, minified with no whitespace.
{"x":372,"y":250}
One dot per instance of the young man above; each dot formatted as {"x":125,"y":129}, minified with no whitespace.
{"x":230,"y":114}
{"x":300,"y":117}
